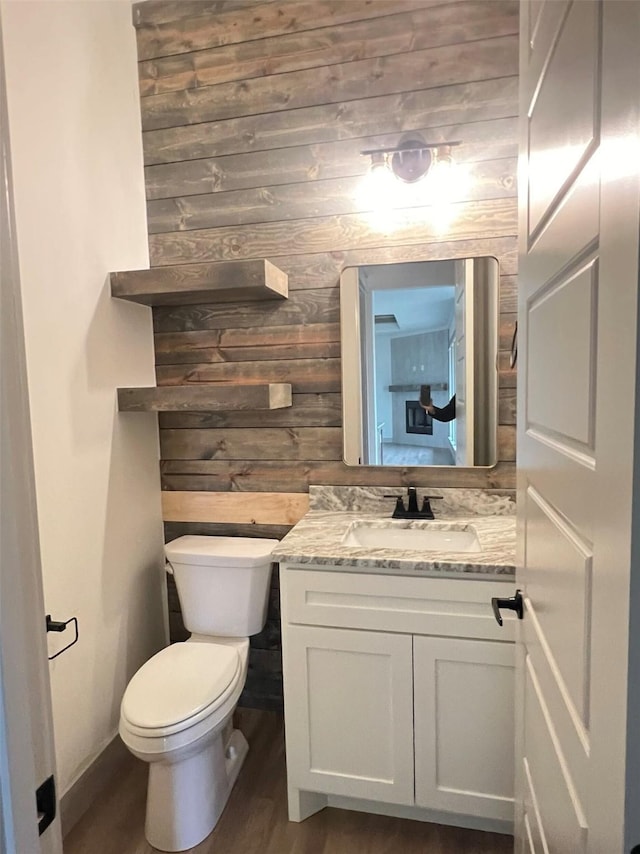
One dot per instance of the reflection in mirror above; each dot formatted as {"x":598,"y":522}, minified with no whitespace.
{"x":419,"y":375}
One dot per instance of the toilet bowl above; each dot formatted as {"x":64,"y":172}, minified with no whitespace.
{"x":179,"y":726}
{"x":177,"y":709}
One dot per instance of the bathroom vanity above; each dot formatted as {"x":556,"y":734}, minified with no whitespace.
{"x":398,"y":681}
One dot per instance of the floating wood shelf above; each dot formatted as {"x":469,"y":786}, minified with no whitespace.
{"x":205,"y":398}
{"x":189,"y":284}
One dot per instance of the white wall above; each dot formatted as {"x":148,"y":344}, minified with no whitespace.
{"x":79,"y":196}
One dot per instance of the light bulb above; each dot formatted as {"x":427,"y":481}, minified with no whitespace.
{"x":440,"y":179}
{"x":376,"y":190}
{"x":447,"y":180}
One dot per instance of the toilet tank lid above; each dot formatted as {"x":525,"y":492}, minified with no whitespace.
{"x":217,"y":551}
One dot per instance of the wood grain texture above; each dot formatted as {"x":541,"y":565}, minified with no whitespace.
{"x":322,"y":269}
{"x":480,"y":141}
{"x":269,"y":443}
{"x":488,"y":179}
{"x":276,"y":508}
{"x":507,"y":376}
{"x":313,"y":306}
{"x":173,"y":530}
{"x":332,"y":233}
{"x":148,"y":13}
{"x":246,"y":24}
{"x":506,"y":329}
{"x":404,"y":32}
{"x":317,"y":410}
{"x":304,"y":375}
{"x":306,"y":410}
{"x":269,"y":475}
{"x":431,"y":68}
{"x":507,"y":406}
{"x":430,"y":109}
{"x":268,"y":353}
{"x":205,"y":398}
{"x":211,"y":345}
{"x":271,"y":105}
{"x":508,"y":294}
{"x":224,"y":282}
{"x":507,"y":443}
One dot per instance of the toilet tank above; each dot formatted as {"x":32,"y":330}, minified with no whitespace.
{"x":222,"y":582}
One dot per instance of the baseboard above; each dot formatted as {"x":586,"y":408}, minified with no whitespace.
{"x":91,"y":783}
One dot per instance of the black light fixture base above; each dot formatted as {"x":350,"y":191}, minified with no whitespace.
{"x":411,"y":161}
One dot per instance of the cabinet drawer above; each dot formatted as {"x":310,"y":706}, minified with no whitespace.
{"x":447,"y":607}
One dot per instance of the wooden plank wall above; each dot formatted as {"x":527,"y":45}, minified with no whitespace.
{"x":254,"y":116}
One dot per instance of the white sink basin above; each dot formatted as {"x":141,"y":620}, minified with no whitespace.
{"x":394,"y":536}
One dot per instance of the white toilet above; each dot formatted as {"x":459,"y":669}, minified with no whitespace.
{"x":176,"y":711}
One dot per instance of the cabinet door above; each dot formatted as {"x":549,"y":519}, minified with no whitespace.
{"x":464,"y":726}
{"x":349,"y":712}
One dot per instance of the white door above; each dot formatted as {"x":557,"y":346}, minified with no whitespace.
{"x":26,"y":741}
{"x":578,"y":285}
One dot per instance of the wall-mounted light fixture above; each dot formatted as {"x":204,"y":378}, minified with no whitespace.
{"x":412,"y":159}
{"x":412,"y":174}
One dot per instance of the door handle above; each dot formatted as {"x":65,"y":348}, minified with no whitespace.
{"x":511,"y":603}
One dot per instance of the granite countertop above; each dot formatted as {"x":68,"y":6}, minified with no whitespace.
{"x":317,"y":540}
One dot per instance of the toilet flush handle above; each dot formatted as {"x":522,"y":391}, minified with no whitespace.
{"x":168,"y":568}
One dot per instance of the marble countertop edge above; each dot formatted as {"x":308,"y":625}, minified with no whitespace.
{"x":316,"y":541}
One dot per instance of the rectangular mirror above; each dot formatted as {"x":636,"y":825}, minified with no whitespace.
{"x":409,"y":325}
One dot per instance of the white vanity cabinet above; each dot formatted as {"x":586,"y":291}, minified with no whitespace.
{"x":398,"y":695}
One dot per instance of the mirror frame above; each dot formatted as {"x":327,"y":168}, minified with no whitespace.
{"x":352,"y":373}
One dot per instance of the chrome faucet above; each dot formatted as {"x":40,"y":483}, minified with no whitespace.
{"x":411,"y":510}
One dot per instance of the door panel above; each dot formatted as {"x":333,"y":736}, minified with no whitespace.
{"x":571,"y":733}
{"x":558,"y":578}
{"x":562,"y":387}
{"x":560,"y":811}
{"x":558,"y":466}
{"x":541,"y":27}
{"x":578,"y":303}
{"x":564,"y":113}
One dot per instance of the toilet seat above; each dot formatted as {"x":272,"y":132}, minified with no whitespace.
{"x":180,"y":686}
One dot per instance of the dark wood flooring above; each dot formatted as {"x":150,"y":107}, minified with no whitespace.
{"x":255,"y":819}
